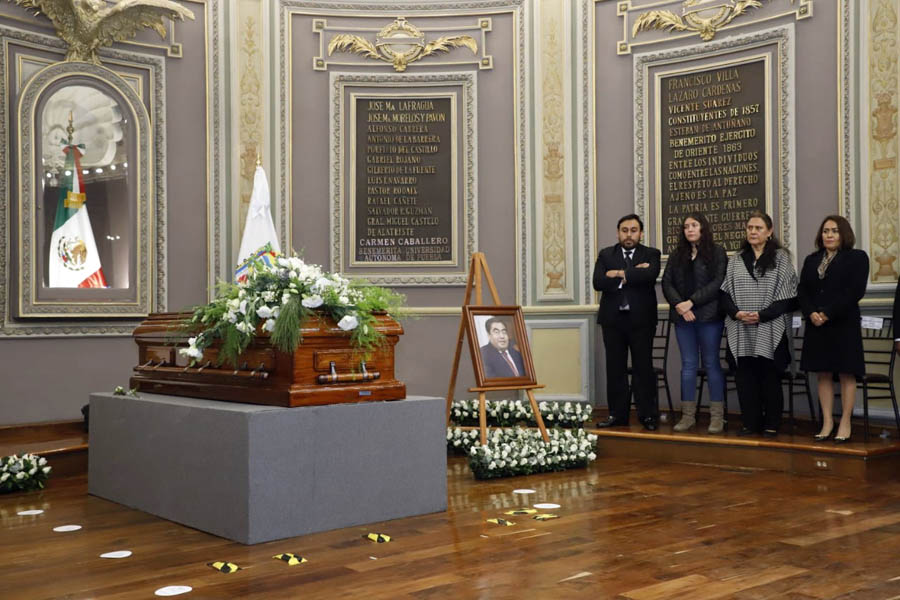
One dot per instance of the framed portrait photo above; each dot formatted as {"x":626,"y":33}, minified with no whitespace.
{"x":498,"y":343}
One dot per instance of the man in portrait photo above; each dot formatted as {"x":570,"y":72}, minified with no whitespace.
{"x":498,"y":356}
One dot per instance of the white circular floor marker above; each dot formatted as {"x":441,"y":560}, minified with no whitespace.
{"x":116,"y":554}
{"x":546,"y":505}
{"x":173,"y":590}
{"x":28,"y":513}
{"x":66,"y":528}
{"x":523,"y":491}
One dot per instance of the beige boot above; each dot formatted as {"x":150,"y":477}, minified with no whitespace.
{"x":688,"y":416}
{"x":716,"y":417}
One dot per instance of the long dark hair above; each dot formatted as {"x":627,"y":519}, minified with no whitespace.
{"x":848,"y":240}
{"x":766,"y":260}
{"x":705,"y":245}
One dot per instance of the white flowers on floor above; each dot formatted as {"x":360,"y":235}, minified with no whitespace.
{"x":520,"y":451}
{"x":504,"y":413}
{"x":23,"y":473}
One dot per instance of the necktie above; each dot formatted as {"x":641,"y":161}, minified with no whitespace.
{"x":623,"y":302}
{"x":509,"y":361}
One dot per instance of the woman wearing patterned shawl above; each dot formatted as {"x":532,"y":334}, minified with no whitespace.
{"x":759,"y":294}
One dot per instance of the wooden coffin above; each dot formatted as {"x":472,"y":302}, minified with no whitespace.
{"x":325,"y":368}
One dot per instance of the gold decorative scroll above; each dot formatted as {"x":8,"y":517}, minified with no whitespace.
{"x":553,"y":207}
{"x":88,"y":25}
{"x":251,"y":110}
{"x":399,"y":43}
{"x":704,"y":17}
{"x":882,"y":172}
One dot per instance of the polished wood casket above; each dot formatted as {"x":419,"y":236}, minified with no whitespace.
{"x":325,"y":368}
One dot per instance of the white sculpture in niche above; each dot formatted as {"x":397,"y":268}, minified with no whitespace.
{"x":98,"y":126}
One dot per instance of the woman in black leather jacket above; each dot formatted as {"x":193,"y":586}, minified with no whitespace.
{"x":690,"y":283}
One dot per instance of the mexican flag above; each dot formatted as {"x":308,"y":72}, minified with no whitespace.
{"x":74,"y":261}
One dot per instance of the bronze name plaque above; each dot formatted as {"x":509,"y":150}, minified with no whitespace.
{"x":712,"y":160}
{"x":404,"y":204}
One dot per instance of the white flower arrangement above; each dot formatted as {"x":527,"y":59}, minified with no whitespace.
{"x":519,"y":451}
{"x":505,"y":413}
{"x":23,"y":473}
{"x":277,"y":297}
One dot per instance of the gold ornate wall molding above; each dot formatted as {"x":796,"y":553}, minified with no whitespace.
{"x":250,"y":113}
{"x":878,"y":99}
{"x":327,"y":12}
{"x":402,"y":44}
{"x":868,"y":100}
{"x":881,"y":163}
{"x":127,"y":64}
{"x":655,"y":21}
{"x":553,"y":117}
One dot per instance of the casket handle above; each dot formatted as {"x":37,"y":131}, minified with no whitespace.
{"x":335,"y":377}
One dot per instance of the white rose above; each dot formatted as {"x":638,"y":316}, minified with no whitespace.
{"x":46,"y":470}
{"x":4,"y":477}
{"x":314,"y":301}
{"x":344,"y":300}
{"x":42,"y":462}
{"x":269,"y":325}
{"x":348,"y":322}
{"x":32,"y":471}
{"x":592,"y":456}
{"x":20,"y":475}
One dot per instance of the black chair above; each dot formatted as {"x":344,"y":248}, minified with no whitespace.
{"x":878,"y":346}
{"x":660,"y":355}
{"x":794,"y":378}
{"x":727,"y":371}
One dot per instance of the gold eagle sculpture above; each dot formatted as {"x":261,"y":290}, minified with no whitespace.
{"x":88,"y":25}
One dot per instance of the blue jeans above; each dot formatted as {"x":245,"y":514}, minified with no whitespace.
{"x":696,"y":339}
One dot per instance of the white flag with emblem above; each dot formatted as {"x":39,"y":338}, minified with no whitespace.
{"x":259,"y":229}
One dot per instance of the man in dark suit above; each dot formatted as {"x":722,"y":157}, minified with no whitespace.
{"x":498,"y":358}
{"x":626,"y":275}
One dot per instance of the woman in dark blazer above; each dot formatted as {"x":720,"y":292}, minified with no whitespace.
{"x":832,"y":282}
{"x":690,"y":283}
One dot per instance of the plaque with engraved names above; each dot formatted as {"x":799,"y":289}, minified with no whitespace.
{"x":712,"y":149}
{"x":404,"y":194}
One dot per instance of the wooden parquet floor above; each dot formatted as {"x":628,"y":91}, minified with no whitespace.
{"x":627,"y":528}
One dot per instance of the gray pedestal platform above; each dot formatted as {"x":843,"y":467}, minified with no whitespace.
{"x":254,"y":473}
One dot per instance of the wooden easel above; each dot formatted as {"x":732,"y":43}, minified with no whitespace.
{"x":478,"y":269}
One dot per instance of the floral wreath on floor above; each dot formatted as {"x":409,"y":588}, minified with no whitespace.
{"x":278,"y":296}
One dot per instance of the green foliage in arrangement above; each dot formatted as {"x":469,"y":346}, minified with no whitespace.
{"x":278,"y":297}
{"x":23,"y":473}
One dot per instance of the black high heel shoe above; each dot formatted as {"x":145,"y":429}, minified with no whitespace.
{"x":821,"y":438}
{"x":842,"y":440}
